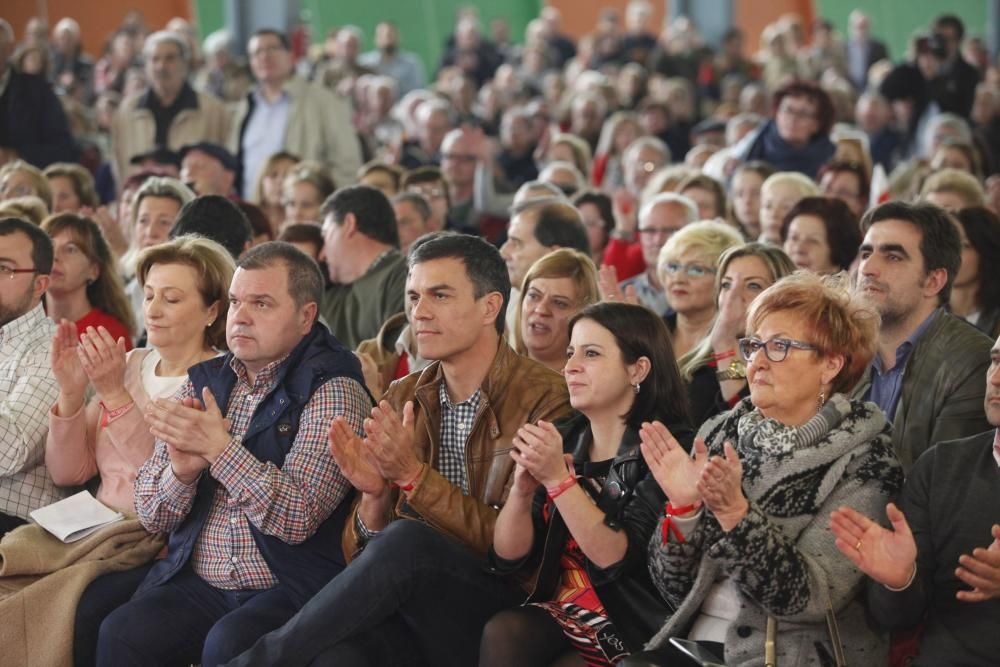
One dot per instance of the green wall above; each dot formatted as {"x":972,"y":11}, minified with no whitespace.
{"x":210,"y":15}
{"x":423,"y":24}
{"x":894,"y":21}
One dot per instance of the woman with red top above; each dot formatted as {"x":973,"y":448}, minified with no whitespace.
{"x":85,"y":287}
{"x":583,"y":506}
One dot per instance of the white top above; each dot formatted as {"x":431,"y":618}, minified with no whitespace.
{"x":158,"y":386}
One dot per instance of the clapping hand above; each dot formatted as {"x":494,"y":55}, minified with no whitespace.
{"x":721,"y":489}
{"x":66,"y":366}
{"x":390,"y":443}
{"x":190,"y":426}
{"x":672,"y":467}
{"x":103,"y":360}
{"x":981,"y":571}
{"x":538,"y":448}
{"x":354,"y":459}
{"x":524,"y":482}
{"x":607,"y":281}
{"x":887,"y":556}
{"x":730,"y":321}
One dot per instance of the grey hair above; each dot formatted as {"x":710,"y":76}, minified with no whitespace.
{"x":647,"y":142}
{"x":161,"y":36}
{"x":161,"y":186}
{"x":950,"y":120}
{"x":220,"y":40}
{"x":690,"y":208}
{"x":581,"y":182}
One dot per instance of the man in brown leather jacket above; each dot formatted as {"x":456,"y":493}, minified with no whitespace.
{"x":432,"y":474}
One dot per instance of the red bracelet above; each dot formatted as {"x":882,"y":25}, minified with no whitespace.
{"x":669,"y":528}
{"x":724,"y":355}
{"x":413,"y":482}
{"x":557,"y":490}
{"x":110,"y":415}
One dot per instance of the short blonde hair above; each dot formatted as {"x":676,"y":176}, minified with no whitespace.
{"x":957,"y":182}
{"x":211,"y":262}
{"x":561,"y":263}
{"x":28,"y":207}
{"x":666,"y":179}
{"x":836,"y":321}
{"x":805,"y":186}
{"x":35,"y":175}
{"x":711,"y":238}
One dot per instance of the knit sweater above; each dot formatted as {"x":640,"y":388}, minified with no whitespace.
{"x":781,"y":556}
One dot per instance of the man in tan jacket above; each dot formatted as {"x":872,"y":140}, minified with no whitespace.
{"x":432,"y":474}
{"x":170,"y":113}
{"x":287,"y":113}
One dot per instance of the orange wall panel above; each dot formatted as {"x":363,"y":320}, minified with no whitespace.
{"x":752,"y":16}
{"x":580,"y":16}
{"x":97,"y":18}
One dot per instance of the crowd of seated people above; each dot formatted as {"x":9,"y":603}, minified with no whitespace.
{"x":623,"y":348}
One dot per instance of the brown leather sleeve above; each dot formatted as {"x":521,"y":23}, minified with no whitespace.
{"x":464,"y":518}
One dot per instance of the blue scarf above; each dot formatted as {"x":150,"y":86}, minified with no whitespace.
{"x":771,"y":148}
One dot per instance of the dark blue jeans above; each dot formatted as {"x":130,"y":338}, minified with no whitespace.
{"x":103,"y":596}
{"x":410,"y":574}
{"x":188,"y":621}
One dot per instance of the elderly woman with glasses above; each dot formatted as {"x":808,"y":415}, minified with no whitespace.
{"x":744,"y":552}
{"x":798,"y":137}
{"x":687,"y":265}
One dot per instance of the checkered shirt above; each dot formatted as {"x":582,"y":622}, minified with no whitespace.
{"x":288,"y":502}
{"x":456,"y":424}
{"x":28,"y":391}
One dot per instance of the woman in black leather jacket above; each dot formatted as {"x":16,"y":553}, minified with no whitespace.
{"x":583,"y":504}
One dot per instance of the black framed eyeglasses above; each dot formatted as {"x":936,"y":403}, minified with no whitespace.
{"x":776,"y":349}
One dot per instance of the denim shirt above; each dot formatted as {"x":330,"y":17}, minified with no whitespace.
{"x":887,"y":385}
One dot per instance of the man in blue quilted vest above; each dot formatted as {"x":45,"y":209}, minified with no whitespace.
{"x":242,"y":478}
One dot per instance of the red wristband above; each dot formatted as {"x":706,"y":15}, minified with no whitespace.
{"x":413,"y":482}
{"x":107,"y":416}
{"x":724,"y":355}
{"x":557,"y":490}
{"x":669,"y":528}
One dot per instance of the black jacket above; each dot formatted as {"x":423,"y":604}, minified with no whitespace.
{"x":32,"y":121}
{"x":632,"y":501}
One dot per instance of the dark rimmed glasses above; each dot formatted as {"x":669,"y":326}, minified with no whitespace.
{"x":776,"y":349}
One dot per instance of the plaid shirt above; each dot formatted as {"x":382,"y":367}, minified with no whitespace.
{"x":456,"y":424}
{"x":28,"y":391}
{"x":288,"y":502}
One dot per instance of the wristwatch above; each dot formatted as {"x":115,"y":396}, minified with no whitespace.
{"x":737,"y":371}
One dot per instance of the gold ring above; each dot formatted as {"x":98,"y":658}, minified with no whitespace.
{"x":857,"y":546}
